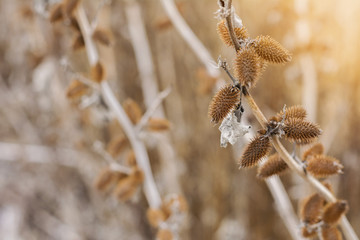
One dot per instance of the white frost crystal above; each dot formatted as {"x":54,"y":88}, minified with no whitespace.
{"x":231,"y":130}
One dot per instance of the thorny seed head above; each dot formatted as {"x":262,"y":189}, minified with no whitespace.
{"x":331,"y":233}
{"x":133,"y":110}
{"x":293,"y":112}
{"x":240,"y":33}
{"x":323,"y":166}
{"x":315,"y":149}
{"x":308,"y":233}
{"x":334,"y":211}
{"x":300,"y":131}
{"x":258,"y":148}
{"x":247,"y":67}
{"x":311,"y":209}
{"x":223,"y":103}
{"x":274,"y":165}
{"x":270,"y":50}
{"x":155,"y":216}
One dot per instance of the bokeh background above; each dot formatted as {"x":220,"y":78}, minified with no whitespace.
{"x":48,"y":162}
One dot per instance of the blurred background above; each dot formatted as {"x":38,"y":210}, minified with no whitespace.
{"x":52,"y":144}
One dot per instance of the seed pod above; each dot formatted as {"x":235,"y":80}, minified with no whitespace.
{"x":78,"y":42}
{"x":75,"y":25}
{"x":164,"y":234}
{"x":103,"y":37}
{"x":293,"y":112}
{"x":301,"y":132}
{"x":76,"y":89}
{"x":125,"y":188}
{"x":174,"y":204}
{"x":334,"y":211}
{"x":56,"y":13}
{"x":258,"y":148}
{"x":247,"y":67}
{"x":308,"y":233}
{"x":107,"y":178}
{"x":137,"y":174}
{"x":116,"y":145}
{"x":155,"y":216}
{"x":240,"y":33}
{"x":69,"y":7}
{"x":133,"y":110}
{"x":158,"y":124}
{"x":270,"y":50}
{"x":323,"y":166}
{"x":311,"y":209}
{"x":98,"y":72}
{"x":131,"y":159}
{"x":223,"y":103}
{"x":331,"y":233}
{"x":273,"y":166}
{"x":315,"y":149}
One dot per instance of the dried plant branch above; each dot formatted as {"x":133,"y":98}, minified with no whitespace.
{"x":347,"y":229}
{"x":142,"y":157}
{"x":151,"y":110}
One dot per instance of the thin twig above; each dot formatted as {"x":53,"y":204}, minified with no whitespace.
{"x":230,"y":25}
{"x":151,"y":193}
{"x":150,"y":111}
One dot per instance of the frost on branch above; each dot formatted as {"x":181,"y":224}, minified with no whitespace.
{"x":231,"y":130}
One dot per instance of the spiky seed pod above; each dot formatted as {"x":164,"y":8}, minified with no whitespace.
{"x":240,"y":33}
{"x":98,"y":72}
{"x":103,"y":37}
{"x":75,"y":25}
{"x":270,"y":50}
{"x":117,"y":145}
{"x":56,"y":13}
{"x":107,"y":178}
{"x":273,"y":166}
{"x":312,"y":208}
{"x":78,"y":42}
{"x":223,"y":103}
{"x":334,"y":211}
{"x":125,"y":188}
{"x":158,"y":124}
{"x":293,"y":112}
{"x":306,"y":233}
{"x":301,"y":132}
{"x":131,"y":159}
{"x":247,"y":67}
{"x":69,"y":7}
{"x":164,"y":234}
{"x":133,"y":110}
{"x":137,"y":174}
{"x":321,"y":166}
{"x":315,"y":149}
{"x":331,"y":233}
{"x":258,"y":148}
{"x":174,"y":204}
{"x":76,"y":89}
{"x":155,"y":216}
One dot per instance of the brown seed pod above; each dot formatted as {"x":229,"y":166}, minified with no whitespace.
{"x":131,"y":158}
{"x":164,"y":234}
{"x":133,"y":110}
{"x":158,"y":124}
{"x":155,"y":216}
{"x":306,"y":233}
{"x":78,"y":42}
{"x":274,"y":165}
{"x":301,"y":132}
{"x":223,"y":103}
{"x":103,"y":37}
{"x":331,"y":233}
{"x":315,"y":149}
{"x":293,"y":112}
{"x":137,"y":174}
{"x":312,"y":208}
{"x":240,"y":33}
{"x":174,"y":204}
{"x":107,"y":178}
{"x":75,"y":25}
{"x":258,"y":148}
{"x":69,"y":7}
{"x":98,"y":72}
{"x":334,"y":211}
{"x":125,"y":188}
{"x":270,"y":50}
{"x":323,"y":166}
{"x":247,"y":67}
{"x":56,"y":13}
{"x":117,"y":145}
{"x":76,"y":90}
